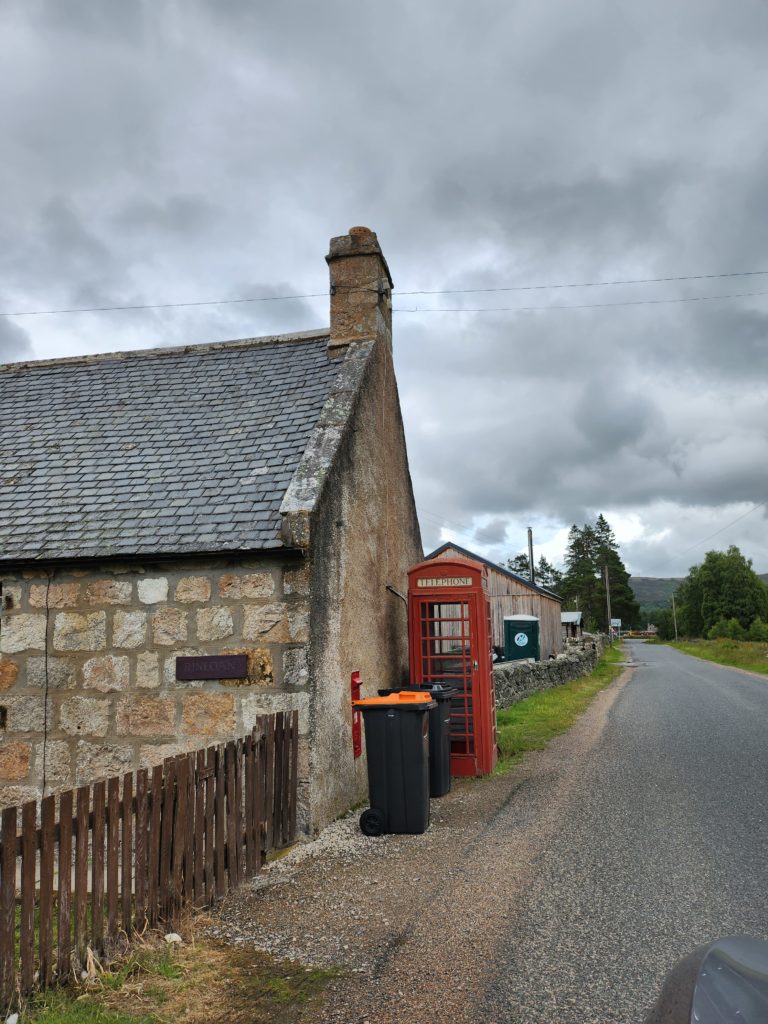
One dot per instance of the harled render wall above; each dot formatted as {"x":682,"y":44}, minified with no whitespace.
{"x":106,"y":641}
{"x":365,"y":536}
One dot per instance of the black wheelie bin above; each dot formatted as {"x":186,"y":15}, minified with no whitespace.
{"x":439,"y":734}
{"x":439,"y":738}
{"x":397,"y":744}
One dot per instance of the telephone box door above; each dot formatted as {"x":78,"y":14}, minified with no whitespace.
{"x":450,"y":644}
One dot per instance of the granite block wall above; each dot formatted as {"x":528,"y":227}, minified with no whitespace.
{"x":88,"y":682}
{"x":515,"y":680}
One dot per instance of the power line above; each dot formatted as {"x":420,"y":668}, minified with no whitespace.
{"x":463,"y":529}
{"x":164,"y":305}
{"x":441,"y":291}
{"x":588,"y":284}
{"x":583,"y":305}
{"x":722,"y":529}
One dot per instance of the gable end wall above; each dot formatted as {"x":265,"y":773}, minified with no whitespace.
{"x":364,"y":535}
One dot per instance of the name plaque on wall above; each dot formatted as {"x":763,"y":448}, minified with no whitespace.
{"x":214,"y":666}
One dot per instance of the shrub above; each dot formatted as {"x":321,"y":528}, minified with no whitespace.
{"x":726,"y":629}
{"x":758,"y":631}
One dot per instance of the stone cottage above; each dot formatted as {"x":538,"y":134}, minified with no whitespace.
{"x":250,"y":497}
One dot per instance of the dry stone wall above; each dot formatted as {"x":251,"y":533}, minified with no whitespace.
{"x":515,"y":680}
{"x":102,"y":644}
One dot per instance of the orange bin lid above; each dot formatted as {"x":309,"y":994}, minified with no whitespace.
{"x":393,"y":699}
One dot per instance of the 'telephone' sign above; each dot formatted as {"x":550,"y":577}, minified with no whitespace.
{"x":445,"y":581}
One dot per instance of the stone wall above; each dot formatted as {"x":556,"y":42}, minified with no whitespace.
{"x":515,"y":680}
{"x":103,"y":644}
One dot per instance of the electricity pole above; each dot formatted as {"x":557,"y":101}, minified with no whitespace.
{"x":608,"y":603}
{"x":674,"y":615}
{"x":531,"y":572}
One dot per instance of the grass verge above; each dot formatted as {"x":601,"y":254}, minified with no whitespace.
{"x":198,"y":982}
{"x":531,"y":723}
{"x":732,"y":653}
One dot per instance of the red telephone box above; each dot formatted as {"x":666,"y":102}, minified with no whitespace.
{"x":449,"y":625}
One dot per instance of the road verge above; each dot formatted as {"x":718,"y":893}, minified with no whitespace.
{"x":533,"y":722}
{"x":747,"y":655}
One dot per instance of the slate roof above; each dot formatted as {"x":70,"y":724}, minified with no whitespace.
{"x":165,"y":451}
{"x":497,"y":568}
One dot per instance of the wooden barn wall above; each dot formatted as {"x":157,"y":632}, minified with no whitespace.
{"x":508,"y":597}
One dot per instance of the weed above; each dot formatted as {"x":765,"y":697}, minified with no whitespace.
{"x":198,"y":981}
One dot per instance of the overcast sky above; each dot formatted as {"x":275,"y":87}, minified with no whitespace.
{"x":183,"y":150}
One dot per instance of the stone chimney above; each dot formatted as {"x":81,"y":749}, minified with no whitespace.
{"x":361,"y":289}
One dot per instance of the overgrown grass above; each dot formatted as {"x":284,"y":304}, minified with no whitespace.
{"x":733,"y":653}
{"x":198,"y":982}
{"x":531,"y":723}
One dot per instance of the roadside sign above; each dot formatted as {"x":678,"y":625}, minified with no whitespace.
{"x":616,"y":623}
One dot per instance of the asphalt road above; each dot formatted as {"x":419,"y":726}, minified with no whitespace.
{"x":661,"y":844}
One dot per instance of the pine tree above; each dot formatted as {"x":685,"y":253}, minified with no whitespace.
{"x":624,"y":605}
{"x":520,"y":565}
{"x":580,"y":589}
{"x":547,"y":575}
{"x":589,"y":550}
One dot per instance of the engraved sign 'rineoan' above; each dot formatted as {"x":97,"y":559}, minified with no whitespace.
{"x":214,"y":666}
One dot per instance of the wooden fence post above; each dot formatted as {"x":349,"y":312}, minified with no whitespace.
{"x":28,"y":879}
{"x":294,"y":791}
{"x":221,"y":878}
{"x":153,"y":845}
{"x":164,"y":894}
{"x":232,"y":858}
{"x":8,"y":910}
{"x":210,"y":812}
{"x":47,"y":850}
{"x":64,"y":933}
{"x":179,"y":833}
{"x":140,"y":869}
{"x":200,"y":783}
{"x":113,"y":852}
{"x":269,"y":796}
{"x":81,"y":873}
{"x":97,"y":866}
{"x":127,"y":855}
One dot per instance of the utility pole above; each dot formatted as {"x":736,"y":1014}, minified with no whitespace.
{"x":530,"y":555}
{"x":674,"y":615}
{"x":608,"y":603}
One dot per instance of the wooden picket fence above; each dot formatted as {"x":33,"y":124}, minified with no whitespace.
{"x":115,"y":856}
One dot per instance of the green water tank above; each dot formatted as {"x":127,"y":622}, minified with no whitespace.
{"x":521,"y":637}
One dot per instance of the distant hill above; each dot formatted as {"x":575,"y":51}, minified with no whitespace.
{"x":656,"y":592}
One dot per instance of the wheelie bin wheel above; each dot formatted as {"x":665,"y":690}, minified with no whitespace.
{"x":372,"y":822}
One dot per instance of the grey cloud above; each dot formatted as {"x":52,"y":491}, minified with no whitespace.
{"x":215,"y":153}
{"x":14,"y":342}
{"x":610,"y":416}
{"x":177,"y":214}
{"x":494,"y":532}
